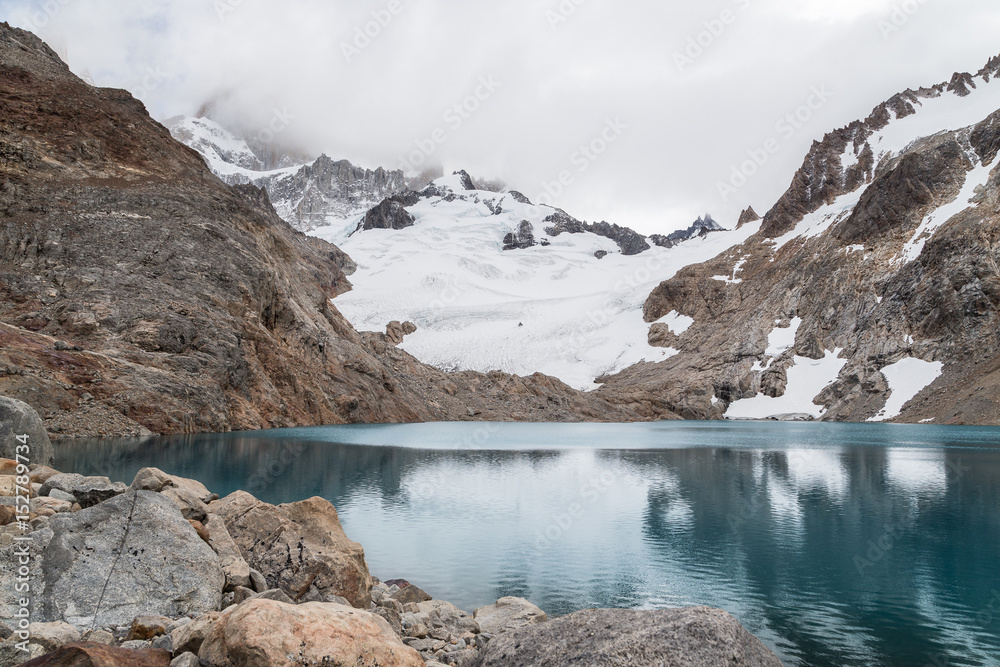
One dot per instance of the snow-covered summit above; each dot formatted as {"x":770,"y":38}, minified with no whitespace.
{"x":307,"y":194}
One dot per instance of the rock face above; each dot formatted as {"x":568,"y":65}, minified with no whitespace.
{"x":17,"y":418}
{"x":329,"y":189}
{"x":156,"y":298}
{"x":130,"y":556}
{"x":264,"y":633}
{"x":390,"y":214}
{"x":300,"y":548}
{"x":628,"y":240}
{"x":307,"y":194}
{"x":620,"y":638}
{"x":880,"y":254}
{"x":508,"y":614}
{"x":747,"y":216}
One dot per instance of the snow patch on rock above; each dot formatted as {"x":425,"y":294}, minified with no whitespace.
{"x":906,"y":378}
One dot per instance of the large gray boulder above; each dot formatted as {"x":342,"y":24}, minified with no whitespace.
{"x":19,"y":418}
{"x":620,"y":638}
{"x":133,"y":555}
{"x":87,"y":491}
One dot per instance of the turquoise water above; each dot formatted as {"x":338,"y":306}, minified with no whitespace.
{"x":836,"y":544}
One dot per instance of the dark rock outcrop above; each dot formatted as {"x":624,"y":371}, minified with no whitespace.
{"x":390,"y":214}
{"x":747,"y":216}
{"x":563,"y":223}
{"x":523,"y":238}
{"x":628,"y":240}
{"x":624,"y":638}
{"x":518,"y":197}
{"x":465,"y":179}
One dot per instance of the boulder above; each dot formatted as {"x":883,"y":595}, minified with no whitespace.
{"x":11,"y":654}
{"x":50,"y":503}
{"x":618,"y":637}
{"x":51,"y":636}
{"x":444,"y":620}
{"x":265,"y":633}
{"x":88,"y":491}
{"x":275,"y":594}
{"x":410,"y":593}
{"x":189,"y":495}
{"x":236,"y":569}
{"x":465,"y":657}
{"x":300,"y":548}
{"x":88,"y":654}
{"x":190,"y":636}
{"x":148,"y":627}
{"x":257,"y":581}
{"x":508,"y":613}
{"x":17,"y":418}
{"x":41,"y":474}
{"x":99,"y":637}
{"x":185,"y":660}
{"x":60,"y":496}
{"x":129,"y":556}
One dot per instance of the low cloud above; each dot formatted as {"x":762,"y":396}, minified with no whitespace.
{"x":368,"y":81}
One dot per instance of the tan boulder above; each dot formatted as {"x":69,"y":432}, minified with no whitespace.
{"x":51,"y":636}
{"x":54,"y":504}
{"x":189,"y":495}
{"x":190,"y":636}
{"x":8,"y":486}
{"x":236,"y":568}
{"x":8,"y":467}
{"x":508,"y":613}
{"x":300,"y":548}
{"x":42,"y":474}
{"x":265,"y":633}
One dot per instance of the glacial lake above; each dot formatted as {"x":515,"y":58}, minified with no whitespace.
{"x":836,"y":544}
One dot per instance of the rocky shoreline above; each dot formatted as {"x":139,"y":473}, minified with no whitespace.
{"x":165,"y":572}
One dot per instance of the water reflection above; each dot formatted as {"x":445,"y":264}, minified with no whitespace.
{"x":837,"y":545}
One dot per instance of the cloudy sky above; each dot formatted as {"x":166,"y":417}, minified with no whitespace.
{"x":640,"y":108}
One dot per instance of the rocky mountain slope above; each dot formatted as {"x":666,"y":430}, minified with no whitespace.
{"x":870,"y":291}
{"x":139,"y":292}
{"x":494,"y":282}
